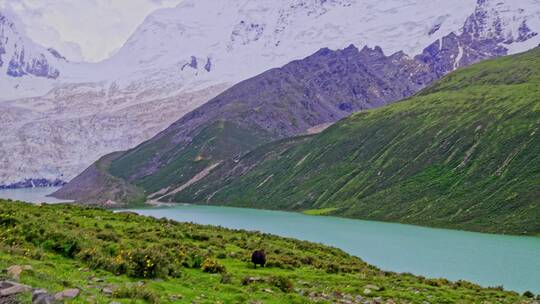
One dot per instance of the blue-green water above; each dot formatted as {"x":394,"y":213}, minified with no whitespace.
{"x":32,"y":195}
{"x":486,"y":259}
{"x":489,"y":260}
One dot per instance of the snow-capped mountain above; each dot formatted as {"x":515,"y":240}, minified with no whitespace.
{"x":26,"y":67}
{"x":181,"y":57}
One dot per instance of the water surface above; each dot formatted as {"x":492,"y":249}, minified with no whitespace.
{"x":32,"y":195}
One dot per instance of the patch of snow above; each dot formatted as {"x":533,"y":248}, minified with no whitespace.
{"x":458,"y":57}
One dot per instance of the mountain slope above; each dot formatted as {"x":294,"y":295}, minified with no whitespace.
{"x":302,"y":96}
{"x":184,"y":56}
{"x":24,"y":64}
{"x":461,"y":154}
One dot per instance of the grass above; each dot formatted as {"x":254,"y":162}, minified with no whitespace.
{"x":148,"y":260}
{"x":324,"y":211}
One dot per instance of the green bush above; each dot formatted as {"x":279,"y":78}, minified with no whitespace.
{"x":108,"y":236}
{"x":528,"y":294}
{"x":226,"y":278}
{"x":7,"y":220}
{"x":62,"y":244}
{"x":136,"y":293}
{"x":147,"y":263}
{"x":196,"y":261}
{"x":283,"y":283}
{"x":212,"y":266}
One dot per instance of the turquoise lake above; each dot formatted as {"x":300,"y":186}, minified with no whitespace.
{"x":486,"y":259}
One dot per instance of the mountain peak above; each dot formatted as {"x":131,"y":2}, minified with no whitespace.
{"x":19,"y":56}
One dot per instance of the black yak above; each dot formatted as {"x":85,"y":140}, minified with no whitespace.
{"x":258,"y":258}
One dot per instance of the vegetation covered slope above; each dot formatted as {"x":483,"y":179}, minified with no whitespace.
{"x":463,"y":154}
{"x":123,"y":257}
{"x":283,"y":102}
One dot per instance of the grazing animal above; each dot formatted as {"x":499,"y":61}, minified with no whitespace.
{"x":258,"y":258}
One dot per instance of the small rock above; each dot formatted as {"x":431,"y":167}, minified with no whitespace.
{"x":250,"y":280}
{"x":38,"y":291}
{"x":378,"y":300}
{"x":367,"y":291}
{"x":14,"y":272}
{"x":98,"y":280}
{"x":67,"y":294}
{"x":373,"y":287}
{"x":41,"y":296}
{"x":176,"y":297}
{"x":268,"y":290}
{"x":13,"y":289}
{"x":107,"y":290}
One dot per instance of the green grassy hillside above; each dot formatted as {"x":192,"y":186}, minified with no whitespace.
{"x":296,"y":99}
{"x":463,"y":154}
{"x":126,"y":258}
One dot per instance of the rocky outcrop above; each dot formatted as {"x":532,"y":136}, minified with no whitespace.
{"x":484,"y":35}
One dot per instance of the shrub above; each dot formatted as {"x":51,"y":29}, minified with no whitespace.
{"x":62,"y":244}
{"x":283,"y":283}
{"x":136,"y":293}
{"x":332,"y":268}
{"x":528,"y":294}
{"x":196,"y":261}
{"x":8,"y":220}
{"x":212,"y":266}
{"x":226,"y":278}
{"x":108,"y":236}
{"x":147,"y":263}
